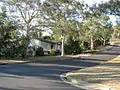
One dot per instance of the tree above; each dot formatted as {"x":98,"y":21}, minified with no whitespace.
{"x":91,"y":29}
{"x":7,"y":35}
{"x":111,"y":7}
{"x":117,"y":31}
{"x":26,"y":13}
{"x":106,"y":29}
{"x":60,"y":17}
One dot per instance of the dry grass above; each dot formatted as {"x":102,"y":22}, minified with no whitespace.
{"x":48,"y":58}
{"x":107,"y":75}
{"x":11,"y":61}
{"x":54,"y":58}
{"x":115,"y":60}
{"x":115,"y":84}
{"x":44,"y":58}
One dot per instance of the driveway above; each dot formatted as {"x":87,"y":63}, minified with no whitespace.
{"x":46,"y":75}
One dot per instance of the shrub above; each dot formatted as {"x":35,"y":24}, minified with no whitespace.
{"x":74,"y":47}
{"x":39,"y":51}
{"x":58,"y":52}
{"x":52,"y":52}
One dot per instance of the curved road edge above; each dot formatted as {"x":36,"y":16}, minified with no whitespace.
{"x":67,"y":79}
{"x":82,"y":84}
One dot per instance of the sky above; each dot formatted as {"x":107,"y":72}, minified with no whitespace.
{"x":90,"y":2}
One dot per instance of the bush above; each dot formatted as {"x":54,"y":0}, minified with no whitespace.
{"x":58,"y":52}
{"x":75,"y":47}
{"x":39,"y":51}
{"x":52,"y":52}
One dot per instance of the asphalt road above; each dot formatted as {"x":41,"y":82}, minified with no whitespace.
{"x":46,"y":75}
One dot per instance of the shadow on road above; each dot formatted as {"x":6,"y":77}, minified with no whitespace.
{"x":53,"y":69}
{"x":50,"y":70}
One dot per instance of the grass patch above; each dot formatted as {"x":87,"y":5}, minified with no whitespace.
{"x":11,"y":61}
{"x":51,"y":58}
{"x":40,"y":58}
{"x":97,"y":75}
{"x":108,"y":71}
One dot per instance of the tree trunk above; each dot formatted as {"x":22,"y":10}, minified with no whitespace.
{"x":28,"y":34}
{"x":92,"y":43}
{"x":62,"y":49}
{"x":104,"y":42}
{"x":28,"y":38}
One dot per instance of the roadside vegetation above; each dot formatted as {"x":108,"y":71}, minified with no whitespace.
{"x":83,"y":27}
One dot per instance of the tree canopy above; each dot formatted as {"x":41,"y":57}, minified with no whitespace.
{"x":72,"y":19}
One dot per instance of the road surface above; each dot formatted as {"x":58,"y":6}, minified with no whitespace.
{"x":46,"y":75}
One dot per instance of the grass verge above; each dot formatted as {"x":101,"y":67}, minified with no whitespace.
{"x":51,"y":58}
{"x":107,"y":74}
{"x":11,"y":61}
{"x":37,"y":59}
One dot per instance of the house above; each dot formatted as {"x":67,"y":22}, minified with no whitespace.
{"x":45,"y":44}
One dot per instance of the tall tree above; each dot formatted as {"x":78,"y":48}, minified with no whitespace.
{"x":7,"y":34}
{"x":91,"y":29}
{"x":26,"y":13}
{"x":111,"y":7}
{"x":117,"y":31}
{"x":60,"y":16}
{"x":106,"y":29}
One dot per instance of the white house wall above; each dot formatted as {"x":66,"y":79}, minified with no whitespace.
{"x":45,"y":45}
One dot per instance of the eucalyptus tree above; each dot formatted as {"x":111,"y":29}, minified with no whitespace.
{"x":97,"y":25}
{"x":117,"y":31}
{"x":91,"y":30}
{"x":111,"y":7}
{"x":106,"y":29}
{"x":26,"y":13}
{"x":60,"y":17}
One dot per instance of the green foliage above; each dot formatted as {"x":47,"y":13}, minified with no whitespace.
{"x":52,"y":52}
{"x":61,"y":18}
{"x":57,"y":52}
{"x":117,"y":31}
{"x":74,"y":47}
{"x":11,"y":45}
{"x":39,"y":51}
{"x":48,"y":37}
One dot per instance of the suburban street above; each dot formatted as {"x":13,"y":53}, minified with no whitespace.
{"x":46,"y":75}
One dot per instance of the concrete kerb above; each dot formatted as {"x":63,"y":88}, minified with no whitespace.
{"x":82,"y":84}
{"x":68,"y":80}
